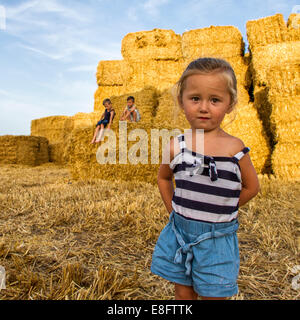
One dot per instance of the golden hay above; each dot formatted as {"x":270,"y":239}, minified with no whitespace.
{"x":64,"y":239}
{"x":27,"y":150}
{"x":270,"y":30}
{"x":156,"y":44}
{"x":109,"y":73}
{"x":263,"y":58}
{"x":82,"y":120}
{"x":160,"y":74}
{"x":104,"y":92}
{"x":272,"y":44}
{"x":56,"y":129}
{"x":216,"y":41}
{"x":285,"y":161}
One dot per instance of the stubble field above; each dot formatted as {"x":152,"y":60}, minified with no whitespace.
{"x":65,"y":239}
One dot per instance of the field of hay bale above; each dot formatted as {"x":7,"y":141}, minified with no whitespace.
{"x":72,"y":228}
{"x":67,"y":239}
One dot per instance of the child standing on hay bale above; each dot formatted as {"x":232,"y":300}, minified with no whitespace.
{"x":131,"y":112}
{"x":198,"y":248}
{"x":105,"y":120}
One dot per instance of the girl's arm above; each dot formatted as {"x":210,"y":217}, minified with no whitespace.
{"x":250,"y":182}
{"x":165,"y":175}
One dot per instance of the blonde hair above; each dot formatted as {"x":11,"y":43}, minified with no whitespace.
{"x":208,"y":65}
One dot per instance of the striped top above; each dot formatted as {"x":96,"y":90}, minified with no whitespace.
{"x":207,"y":188}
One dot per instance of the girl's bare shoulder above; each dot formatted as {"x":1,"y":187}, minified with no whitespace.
{"x":234,"y":144}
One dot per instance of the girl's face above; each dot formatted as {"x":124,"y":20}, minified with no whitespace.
{"x":205,"y":100}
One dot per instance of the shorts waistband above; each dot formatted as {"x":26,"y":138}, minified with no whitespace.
{"x":199,"y":227}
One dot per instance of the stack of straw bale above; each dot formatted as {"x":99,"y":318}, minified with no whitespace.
{"x":275,"y":65}
{"x":56,"y":129}
{"x":26,"y":150}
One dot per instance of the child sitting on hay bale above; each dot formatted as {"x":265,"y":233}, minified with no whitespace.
{"x":131,"y":112}
{"x":105,"y":120}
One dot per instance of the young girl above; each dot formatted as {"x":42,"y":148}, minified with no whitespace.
{"x":198,"y":248}
{"x":106,"y":120}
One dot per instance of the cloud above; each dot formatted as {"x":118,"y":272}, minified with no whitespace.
{"x":43,"y":6}
{"x":52,"y":56}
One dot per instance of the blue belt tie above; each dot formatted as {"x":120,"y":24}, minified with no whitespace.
{"x":186,"y":248}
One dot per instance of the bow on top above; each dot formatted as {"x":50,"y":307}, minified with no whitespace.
{"x":213,"y":173}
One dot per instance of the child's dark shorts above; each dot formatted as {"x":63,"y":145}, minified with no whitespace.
{"x":104,"y":121}
{"x":204,"y":255}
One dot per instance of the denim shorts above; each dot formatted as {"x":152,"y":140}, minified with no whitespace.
{"x":203,"y":255}
{"x":104,"y":121}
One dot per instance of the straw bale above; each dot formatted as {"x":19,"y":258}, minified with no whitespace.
{"x":268,"y":30}
{"x":285,"y":161}
{"x":155,"y":44}
{"x":293,"y":26}
{"x":26,"y":150}
{"x":273,"y":55}
{"x":285,"y":117}
{"x":82,"y":120}
{"x":158,"y":73}
{"x":104,"y":92}
{"x":56,"y":129}
{"x":216,"y":41}
{"x":110,"y":73}
{"x":284,"y":79}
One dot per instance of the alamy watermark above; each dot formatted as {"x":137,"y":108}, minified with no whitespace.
{"x":2,"y":18}
{"x":2,"y":278}
{"x":296,"y":279}
{"x":138,"y":152}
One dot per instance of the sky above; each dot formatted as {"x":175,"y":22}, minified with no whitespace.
{"x":50,"y":49}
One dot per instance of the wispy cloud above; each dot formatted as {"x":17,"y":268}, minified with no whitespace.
{"x":43,"y":6}
{"x":49,"y":55}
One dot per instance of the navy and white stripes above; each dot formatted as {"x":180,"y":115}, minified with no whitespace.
{"x":207,"y":188}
